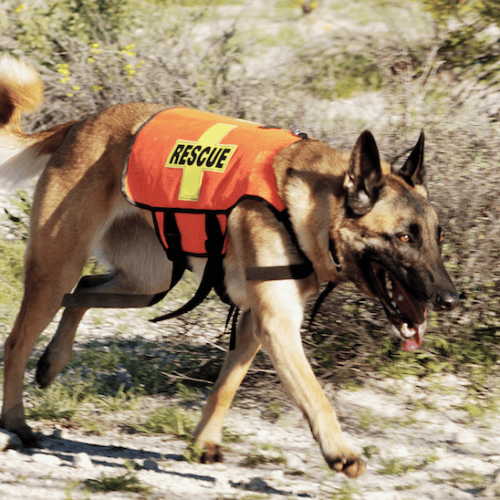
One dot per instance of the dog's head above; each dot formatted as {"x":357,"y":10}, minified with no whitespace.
{"x":362,"y":221}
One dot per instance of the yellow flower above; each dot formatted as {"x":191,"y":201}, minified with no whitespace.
{"x":63,"y":69}
{"x":76,"y":87}
{"x":91,"y":60}
{"x":20,"y":8}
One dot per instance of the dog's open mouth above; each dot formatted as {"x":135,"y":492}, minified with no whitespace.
{"x":407,"y":315}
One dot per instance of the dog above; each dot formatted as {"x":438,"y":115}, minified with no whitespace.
{"x":350,"y":217}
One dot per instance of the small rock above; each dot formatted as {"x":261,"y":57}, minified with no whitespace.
{"x":492,"y":490}
{"x":9,"y":440}
{"x":399,"y":451}
{"x":496,"y":478}
{"x":293,"y":461}
{"x":277,"y":475}
{"x":60,"y":434}
{"x":465,"y":436}
{"x":150,"y":464}
{"x":421,"y":415}
{"x":44,"y":459}
{"x":257,"y":484}
{"x":82,"y":461}
{"x":458,"y":416}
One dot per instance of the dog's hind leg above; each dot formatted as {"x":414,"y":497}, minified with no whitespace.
{"x":63,"y":231}
{"x":47,"y":278}
{"x":208,"y":434}
{"x":139,"y":265}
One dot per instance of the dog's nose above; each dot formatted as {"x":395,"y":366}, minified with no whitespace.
{"x":447,"y":301}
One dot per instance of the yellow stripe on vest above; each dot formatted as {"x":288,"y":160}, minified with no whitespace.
{"x":194,"y":158}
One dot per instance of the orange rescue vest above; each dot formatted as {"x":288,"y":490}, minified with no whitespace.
{"x":190,"y":168}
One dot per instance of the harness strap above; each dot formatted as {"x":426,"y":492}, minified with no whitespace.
{"x":319,"y":301}
{"x":274,"y":273}
{"x":213,"y":245}
{"x":85,"y":299}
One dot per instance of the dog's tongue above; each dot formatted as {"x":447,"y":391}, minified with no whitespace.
{"x":412,"y":343}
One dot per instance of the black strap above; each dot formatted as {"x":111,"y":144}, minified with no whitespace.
{"x":274,"y":273}
{"x":319,"y":301}
{"x":214,"y":246}
{"x":113,"y":300}
{"x":172,"y":237}
{"x":85,"y":299}
{"x":232,"y":317}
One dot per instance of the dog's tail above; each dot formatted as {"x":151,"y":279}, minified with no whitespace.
{"x":21,"y":91}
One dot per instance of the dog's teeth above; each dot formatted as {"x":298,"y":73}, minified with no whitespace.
{"x":388,"y":282}
{"x":406,"y":331}
{"x":388,"y":286}
{"x":400,"y":298}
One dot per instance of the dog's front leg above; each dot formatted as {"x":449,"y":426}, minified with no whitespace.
{"x":208,"y":434}
{"x":278,"y":315}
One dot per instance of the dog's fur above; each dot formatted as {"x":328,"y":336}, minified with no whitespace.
{"x":378,"y":224}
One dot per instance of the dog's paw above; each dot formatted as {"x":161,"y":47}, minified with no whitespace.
{"x":212,"y":453}
{"x":352,"y":466}
{"x":42,"y":377}
{"x":28,"y":438}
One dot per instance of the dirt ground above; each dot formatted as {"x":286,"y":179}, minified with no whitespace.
{"x":435,"y":452}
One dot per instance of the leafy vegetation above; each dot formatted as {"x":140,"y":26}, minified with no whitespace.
{"x":469,"y":40}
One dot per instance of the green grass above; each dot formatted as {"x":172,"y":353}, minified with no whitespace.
{"x":263,"y":454}
{"x":478,"y":481}
{"x":11,"y":280}
{"x":62,"y":400}
{"x":127,"y":482}
{"x":170,"y":420}
{"x":347,"y":491}
{"x":398,"y":467}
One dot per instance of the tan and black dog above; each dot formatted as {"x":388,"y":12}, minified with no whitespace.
{"x":350,"y":219}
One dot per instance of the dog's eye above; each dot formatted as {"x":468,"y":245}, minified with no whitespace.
{"x":405,"y":238}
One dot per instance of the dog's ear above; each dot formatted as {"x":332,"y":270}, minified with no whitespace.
{"x":364,"y":178}
{"x":413,"y":170}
